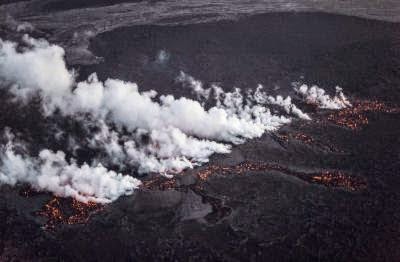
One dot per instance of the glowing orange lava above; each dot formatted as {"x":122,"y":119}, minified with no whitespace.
{"x":339,"y":179}
{"x":67,"y":211}
{"x":159,"y":183}
{"x":355,"y":116}
{"x":326,"y":178}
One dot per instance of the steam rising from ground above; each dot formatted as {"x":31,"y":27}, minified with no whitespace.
{"x":135,"y":130}
{"x":50,"y":171}
{"x":317,"y":96}
{"x":38,"y":69}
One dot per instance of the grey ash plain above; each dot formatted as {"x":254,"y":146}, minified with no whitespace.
{"x":271,"y":215}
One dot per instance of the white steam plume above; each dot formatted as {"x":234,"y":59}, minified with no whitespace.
{"x":180,"y":131}
{"x":167,"y":151}
{"x":317,"y":96}
{"x":25,"y":27}
{"x":235,"y":100}
{"x":124,"y":105}
{"x":286,"y":103}
{"x":50,"y":171}
{"x":164,"y":135}
{"x":39,"y":68}
{"x":194,"y":84}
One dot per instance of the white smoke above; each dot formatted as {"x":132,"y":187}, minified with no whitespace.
{"x":286,"y":103}
{"x":50,"y":171}
{"x":167,"y":151}
{"x":39,"y":68}
{"x":195,"y":85}
{"x":135,"y":129}
{"x":234,"y":101}
{"x":317,"y":96}
{"x":162,"y":57}
{"x":171,"y":150}
{"x":11,"y":23}
{"x":25,"y":27}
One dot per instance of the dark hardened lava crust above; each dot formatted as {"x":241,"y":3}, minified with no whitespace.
{"x":312,"y":191}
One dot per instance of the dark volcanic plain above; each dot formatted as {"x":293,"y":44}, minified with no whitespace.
{"x":322,"y":190}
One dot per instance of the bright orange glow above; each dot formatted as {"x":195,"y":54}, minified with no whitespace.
{"x":68,"y":211}
{"x":326,"y":178}
{"x":355,"y":117}
{"x":159,"y":183}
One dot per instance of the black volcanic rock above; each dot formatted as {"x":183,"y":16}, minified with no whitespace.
{"x":278,"y":210}
{"x":275,"y":49}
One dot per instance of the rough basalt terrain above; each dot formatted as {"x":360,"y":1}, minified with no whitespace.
{"x":320,"y":190}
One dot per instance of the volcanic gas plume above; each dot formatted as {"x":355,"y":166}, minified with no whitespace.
{"x":125,"y":128}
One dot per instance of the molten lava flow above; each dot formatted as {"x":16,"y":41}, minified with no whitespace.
{"x":211,"y":170}
{"x":309,"y":140}
{"x":355,"y":117}
{"x":339,"y":179}
{"x":67,"y":211}
{"x":53,"y":212}
{"x":326,"y":178}
{"x":82,"y":211}
{"x":159,"y":183}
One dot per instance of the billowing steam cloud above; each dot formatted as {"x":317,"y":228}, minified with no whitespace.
{"x":50,"y":171}
{"x":229,"y":100}
{"x":134,"y":129}
{"x":122,"y":103}
{"x":38,"y":69}
{"x":170,"y":150}
{"x":317,"y":96}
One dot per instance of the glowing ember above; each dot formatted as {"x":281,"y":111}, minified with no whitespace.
{"x":68,"y":211}
{"x":355,"y":117}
